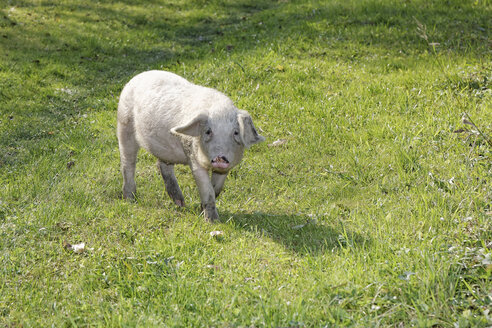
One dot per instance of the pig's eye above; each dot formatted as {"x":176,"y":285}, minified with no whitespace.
{"x":236,"y":136}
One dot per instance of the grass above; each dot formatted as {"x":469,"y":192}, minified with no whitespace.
{"x":376,"y":212}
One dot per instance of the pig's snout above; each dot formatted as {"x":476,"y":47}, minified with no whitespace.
{"x":220,"y":162}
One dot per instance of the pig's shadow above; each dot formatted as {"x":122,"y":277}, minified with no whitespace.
{"x":298,"y":233}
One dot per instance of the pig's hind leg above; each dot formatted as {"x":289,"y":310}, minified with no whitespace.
{"x":172,"y":187}
{"x":128,"y":156}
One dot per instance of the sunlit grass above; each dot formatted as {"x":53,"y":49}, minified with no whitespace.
{"x":374,"y":211}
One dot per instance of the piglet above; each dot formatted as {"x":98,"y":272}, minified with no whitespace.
{"x":182,"y":123}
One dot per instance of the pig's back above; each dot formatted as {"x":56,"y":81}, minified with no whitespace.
{"x":157,"y":101}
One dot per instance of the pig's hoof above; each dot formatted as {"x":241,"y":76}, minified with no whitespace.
{"x":211,"y":219}
{"x":130,"y":196}
{"x":212,"y":216}
{"x":179,"y":202}
{"x":210,"y":213}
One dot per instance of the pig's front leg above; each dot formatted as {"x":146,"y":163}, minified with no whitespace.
{"x":218,"y":180}
{"x":206,"y":190}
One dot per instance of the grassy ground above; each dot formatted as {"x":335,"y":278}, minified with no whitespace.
{"x":376,"y":212}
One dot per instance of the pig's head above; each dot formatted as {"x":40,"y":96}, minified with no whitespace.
{"x":220,"y":138}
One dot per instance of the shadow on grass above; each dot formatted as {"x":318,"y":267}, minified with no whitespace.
{"x":297,"y":233}
{"x":246,"y":24}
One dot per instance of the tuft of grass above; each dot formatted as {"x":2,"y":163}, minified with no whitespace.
{"x":374,"y":211}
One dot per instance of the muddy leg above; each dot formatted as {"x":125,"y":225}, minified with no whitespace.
{"x":172,"y":187}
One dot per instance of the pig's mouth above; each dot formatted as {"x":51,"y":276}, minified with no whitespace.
{"x":220,"y":162}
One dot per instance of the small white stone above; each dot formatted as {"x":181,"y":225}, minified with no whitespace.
{"x":216,"y":233}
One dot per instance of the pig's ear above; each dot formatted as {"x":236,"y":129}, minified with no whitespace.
{"x":247,"y":130}
{"x":193,"y":128}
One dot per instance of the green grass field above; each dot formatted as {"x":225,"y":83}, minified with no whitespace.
{"x":375,"y":212}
